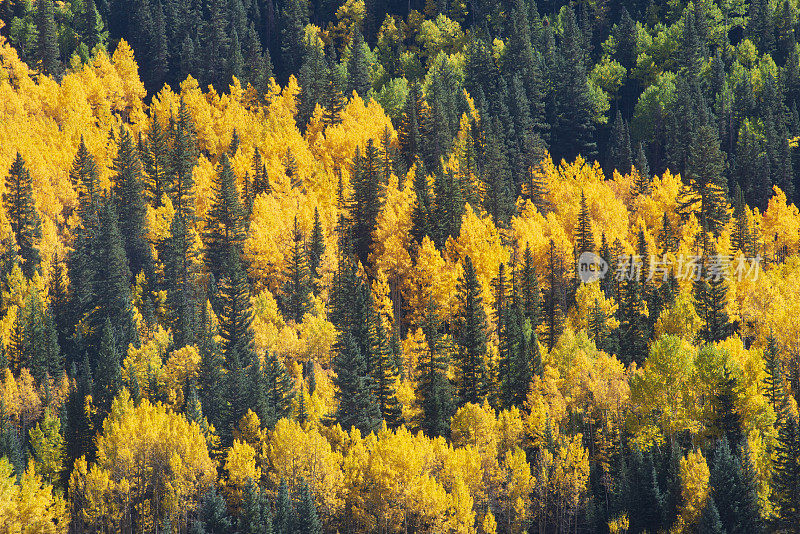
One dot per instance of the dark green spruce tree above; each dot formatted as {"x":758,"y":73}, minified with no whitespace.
{"x":357,"y":405}
{"x":21,"y":212}
{"x":297,"y":287}
{"x":471,"y":331}
{"x":225,"y":224}
{"x":129,"y":200}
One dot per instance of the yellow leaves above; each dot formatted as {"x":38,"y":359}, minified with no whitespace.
{"x":462,"y":518}
{"x":181,"y":365}
{"x":29,"y":506}
{"x":662,"y":395}
{"x":588,"y":297}
{"x":480,"y":240}
{"x":694,"y":488}
{"x":392,"y":235}
{"x":148,"y":450}
{"x":679,"y":320}
{"x":780,"y":224}
{"x":292,"y":453}
{"x":240,"y":464}
{"x":432,"y":279}
{"x":48,"y":447}
{"x":391,"y":483}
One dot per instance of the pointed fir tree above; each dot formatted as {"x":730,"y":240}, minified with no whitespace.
{"x":786,"y":474}
{"x":332,"y":98}
{"x":235,"y":316}
{"x":156,"y":162}
{"x":584,"y":239}
{"x":472,"y":375}
{"x":307,"y":520}
{"x":380,"y":366}
{"x":434,"y":389}
{"x":357,"y":405}
{"x":553,"y":297}
{"x":112,"y":289}
{"x":255,"y":516}
{"x":278,"y":389}
{"x":128,"y":194}
{"x":317,"y":247}
{"x":210,"y":373}
{"x":620,"y":155}
{"x":285,"y":517}
{"x":773,"y":380}
{"x":225,"y":224}
{"x":733,"y":488}
{"x":108,"y":375}
{"x":706,"y":190}
{"x":47,"y":53}
{"x":21,"y":213}
{"x":260,"y":177}
{"x":297,"y":286}
{"x":710,"y":522}
{"x":366,"y":201}
{"x":358,"y":78}
{"x":212,"y":515}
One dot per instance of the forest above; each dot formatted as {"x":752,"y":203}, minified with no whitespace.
{"x":317,"y":266}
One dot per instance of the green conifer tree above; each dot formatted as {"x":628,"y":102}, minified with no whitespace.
{"x":225,"y":224}
{"x":472,"y":375}
{"x":128,"y":194}
{"x":357,"y":405}
{"x":297,"y":287}
{"x":21,"y":212}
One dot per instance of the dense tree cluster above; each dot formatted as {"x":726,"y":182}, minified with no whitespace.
{"x":339,"y":292}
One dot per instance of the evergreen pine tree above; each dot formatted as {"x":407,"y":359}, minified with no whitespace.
{"x":733,"y":488}
{"x":255,"y":516}
{"x":225,"y":224}
{"x":710,"y":522}
{"x":260,"y":177}
{"x":112,"y":288}
{"x":620,"y":156}
{"x":380,"y":365}
{"x":706,"y":188}
{"x":297,"y":287}
{"x":786,"y":475}
{"x":294,"y":17}
{"x":128,"y":194}
{"x":317,"y":247}
{"x":471,"y":339}
{"x":333,"y":99}
{"x":22,"y":215}
{"x":210,"y":374}
{"x":285,"y":517}
{"x":235,"y":315}
{"x":312,"y":78}
{"x":434,"y":389}
{"x":584,"y":239}
{"x":47,"y":53}
{"x":307,"y":519}
{"x":573,"y":120}
{"x":156,"y":162}
{"x":366,"y":202}
{"x":212,"y":516}
{"x":554,"y":297}
{"x":278,"y":389}
{"x":108,"y":375}
{"x":358,"y":78}
{"x":773,"y":381}
{"x":357,"y":406}
{"x":529,"y":289}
